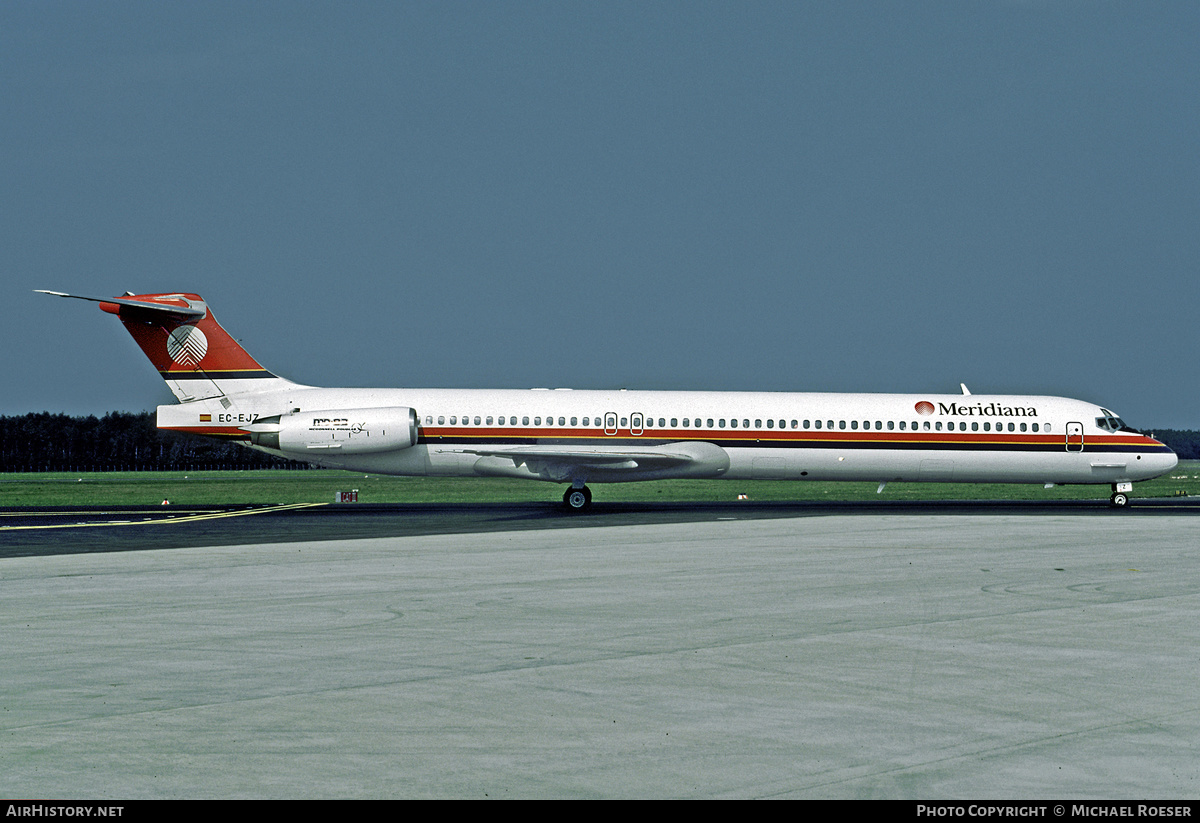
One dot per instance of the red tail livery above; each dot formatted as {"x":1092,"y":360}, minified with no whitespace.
{"x":187,"y":345}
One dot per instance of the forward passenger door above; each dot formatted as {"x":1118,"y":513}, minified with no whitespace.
{"x":1074,"y":437}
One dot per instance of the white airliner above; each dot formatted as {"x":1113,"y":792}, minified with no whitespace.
{"x":581,"y":437}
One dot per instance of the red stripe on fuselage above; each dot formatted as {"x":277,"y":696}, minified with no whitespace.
{"x":799,"y":435}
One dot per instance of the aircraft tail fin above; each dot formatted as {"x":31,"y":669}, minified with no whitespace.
{"x":195,"y":356}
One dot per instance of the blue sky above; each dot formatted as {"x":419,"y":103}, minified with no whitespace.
{"x":764,"y":196}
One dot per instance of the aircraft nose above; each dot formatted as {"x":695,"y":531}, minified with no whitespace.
{"x":1162,"y":462}
{"x":1172,"y":460}
{"x":1154,"y":461}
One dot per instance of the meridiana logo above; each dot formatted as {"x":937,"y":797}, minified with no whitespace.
{"x":187,"y":346}
{"x":925,"y":408}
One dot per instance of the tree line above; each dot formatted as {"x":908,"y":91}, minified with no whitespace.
{"x":1183,"y":442}
{"x":128,"y":441}
{"x":118,"y":441}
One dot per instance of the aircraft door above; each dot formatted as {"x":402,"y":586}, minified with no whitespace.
{"x":1074,"y":437}
{"x":610,"y":423}
{"x":635,"y":423}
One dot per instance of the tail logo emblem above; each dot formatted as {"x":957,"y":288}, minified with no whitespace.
{"x":187,"y":346}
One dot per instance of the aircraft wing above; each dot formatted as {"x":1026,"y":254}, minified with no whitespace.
{"x":689,"y":459}
{"x":586,"y":457}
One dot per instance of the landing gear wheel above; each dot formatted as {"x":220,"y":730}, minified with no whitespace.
{"x":578,"y":500}
{"x":1119,"y":499}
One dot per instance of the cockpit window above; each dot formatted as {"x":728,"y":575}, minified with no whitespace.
{"x":1110,"y":422}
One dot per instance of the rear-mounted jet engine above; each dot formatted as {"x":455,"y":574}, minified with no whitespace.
{"x":344,"y":431}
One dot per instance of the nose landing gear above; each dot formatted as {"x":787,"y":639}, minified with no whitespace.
{"x":1120,"y":495}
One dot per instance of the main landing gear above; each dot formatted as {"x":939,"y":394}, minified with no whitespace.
{"x":578,"y":500}
{"x":1120,"y":495}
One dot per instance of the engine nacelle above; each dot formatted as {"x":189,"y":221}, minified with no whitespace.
{"x":338,"y":431}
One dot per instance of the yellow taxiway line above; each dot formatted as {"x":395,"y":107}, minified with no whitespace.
{"x":162,"y":517}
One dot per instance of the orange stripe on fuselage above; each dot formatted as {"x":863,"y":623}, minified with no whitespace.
{"x":798,"y":435}
{"x":209,"y":431}
{"x":748,"y":437}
